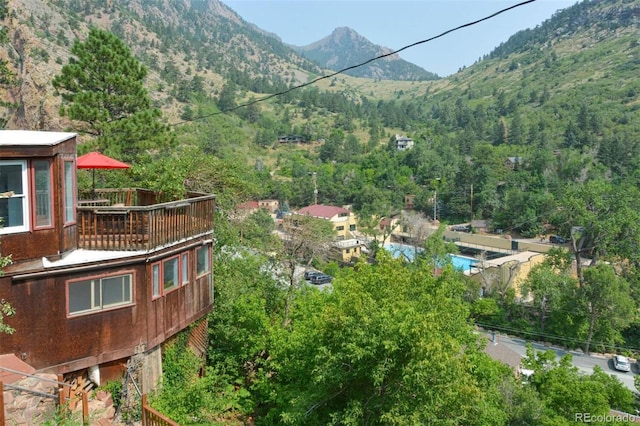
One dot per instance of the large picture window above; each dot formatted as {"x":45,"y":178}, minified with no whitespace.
{"x":14,"y":207}
{"x":97,"y":294}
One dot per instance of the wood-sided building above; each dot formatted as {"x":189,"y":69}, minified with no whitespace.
{"x":95,"y":282}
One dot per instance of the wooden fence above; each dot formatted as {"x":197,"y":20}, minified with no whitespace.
{"x":151,"y":417}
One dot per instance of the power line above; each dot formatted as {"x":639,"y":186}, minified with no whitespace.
{"x":342,"y":71}
{"x":553,"y":337}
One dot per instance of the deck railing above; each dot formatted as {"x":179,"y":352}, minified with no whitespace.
{"x":108,"y":224}
{"x":151,"y":417}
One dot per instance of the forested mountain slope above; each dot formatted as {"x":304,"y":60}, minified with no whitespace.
{"x":562,"y":97}
{"x":184,"y":43}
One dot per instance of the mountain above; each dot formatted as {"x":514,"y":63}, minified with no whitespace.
{"x":345,"y":48}
{"x":176,"y":40}
{"x":193,"y":48}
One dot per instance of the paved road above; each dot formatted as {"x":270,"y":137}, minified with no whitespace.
{"x":584,"y":362}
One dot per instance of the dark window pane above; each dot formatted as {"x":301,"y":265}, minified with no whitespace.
{"x":80,"y":296}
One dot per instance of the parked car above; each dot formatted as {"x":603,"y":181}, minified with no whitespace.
{"x":321,"y":279}
{"x":621,"y":363}
{"x":557,"y":239}
{"x":461,"y":228}
{"x":311,"y":273}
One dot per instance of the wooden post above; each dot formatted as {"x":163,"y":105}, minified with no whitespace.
{"x":85,"y":408}
{"x":145,"y":420}
{"x":62,"y":396}
{"x":1,"y":404}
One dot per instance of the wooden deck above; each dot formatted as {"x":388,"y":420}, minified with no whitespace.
{"x":114,"y":223}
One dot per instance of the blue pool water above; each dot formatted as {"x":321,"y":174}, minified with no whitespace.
{"x":409,"y":253}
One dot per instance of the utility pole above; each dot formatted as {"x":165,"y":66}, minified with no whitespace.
{"x":471,"y":201}
{"x":315,"y":187}
{"x":436,"y":181}
{"x":435,"y":204}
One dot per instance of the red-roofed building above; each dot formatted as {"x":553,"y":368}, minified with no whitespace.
{"x":248,"y":208}
{"x":253,"y":206}
{"x":343,"y":220}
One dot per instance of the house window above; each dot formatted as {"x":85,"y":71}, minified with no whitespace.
{"x":43,"y":197}
{"x":203,"y":262}
{"x":352,"y":227}
{"x":14,"y":205}
{"x":98,"y":294}
{"x":185,"y":268}
{"x":69,"y":190}
{"x":155,"y":272}
{"x":339,"y":228}
{"x":170,"y":273}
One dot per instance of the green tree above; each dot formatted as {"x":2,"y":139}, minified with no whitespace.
{"x":607,"y":305}
{"x":257,"y":230}
{"x":566,"y":391}
{"x":549,"y":285}
{"x":601,"y":219}
{"x":102,"y":89}
{"x":390,"y":344}
{"x":227,"y":97}
{"x":305,"y":238}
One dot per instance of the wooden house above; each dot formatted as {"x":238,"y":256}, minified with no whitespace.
{"x":99,"y":281}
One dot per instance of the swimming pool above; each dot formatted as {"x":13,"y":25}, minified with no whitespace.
{"x":408,"y":252}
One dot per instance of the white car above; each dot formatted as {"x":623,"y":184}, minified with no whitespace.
{"x":621,"y":363}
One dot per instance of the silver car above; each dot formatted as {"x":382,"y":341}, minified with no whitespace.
{"x":621,"y":363}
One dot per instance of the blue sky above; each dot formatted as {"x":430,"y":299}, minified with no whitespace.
{"x":395,"y":24}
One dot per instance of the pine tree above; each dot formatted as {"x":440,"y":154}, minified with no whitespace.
{"x":102,"y":89}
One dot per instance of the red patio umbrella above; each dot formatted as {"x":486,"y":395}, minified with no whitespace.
{"x":94,"y":160}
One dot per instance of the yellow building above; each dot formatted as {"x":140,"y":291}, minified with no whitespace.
{"x":343,"y":220}
{"x":507,"y":271}
{"x":348,"y":251}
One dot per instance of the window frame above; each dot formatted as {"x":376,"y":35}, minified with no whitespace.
{"x":209,"y":261}
{"x":34,"y":191}
{"x":178,"y":274}
{"x":69,"y":193}
{"x":24,"y":197}
{"x":95,"y":281}
{"x":185,"y":269}
{"x":158,"y":289}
